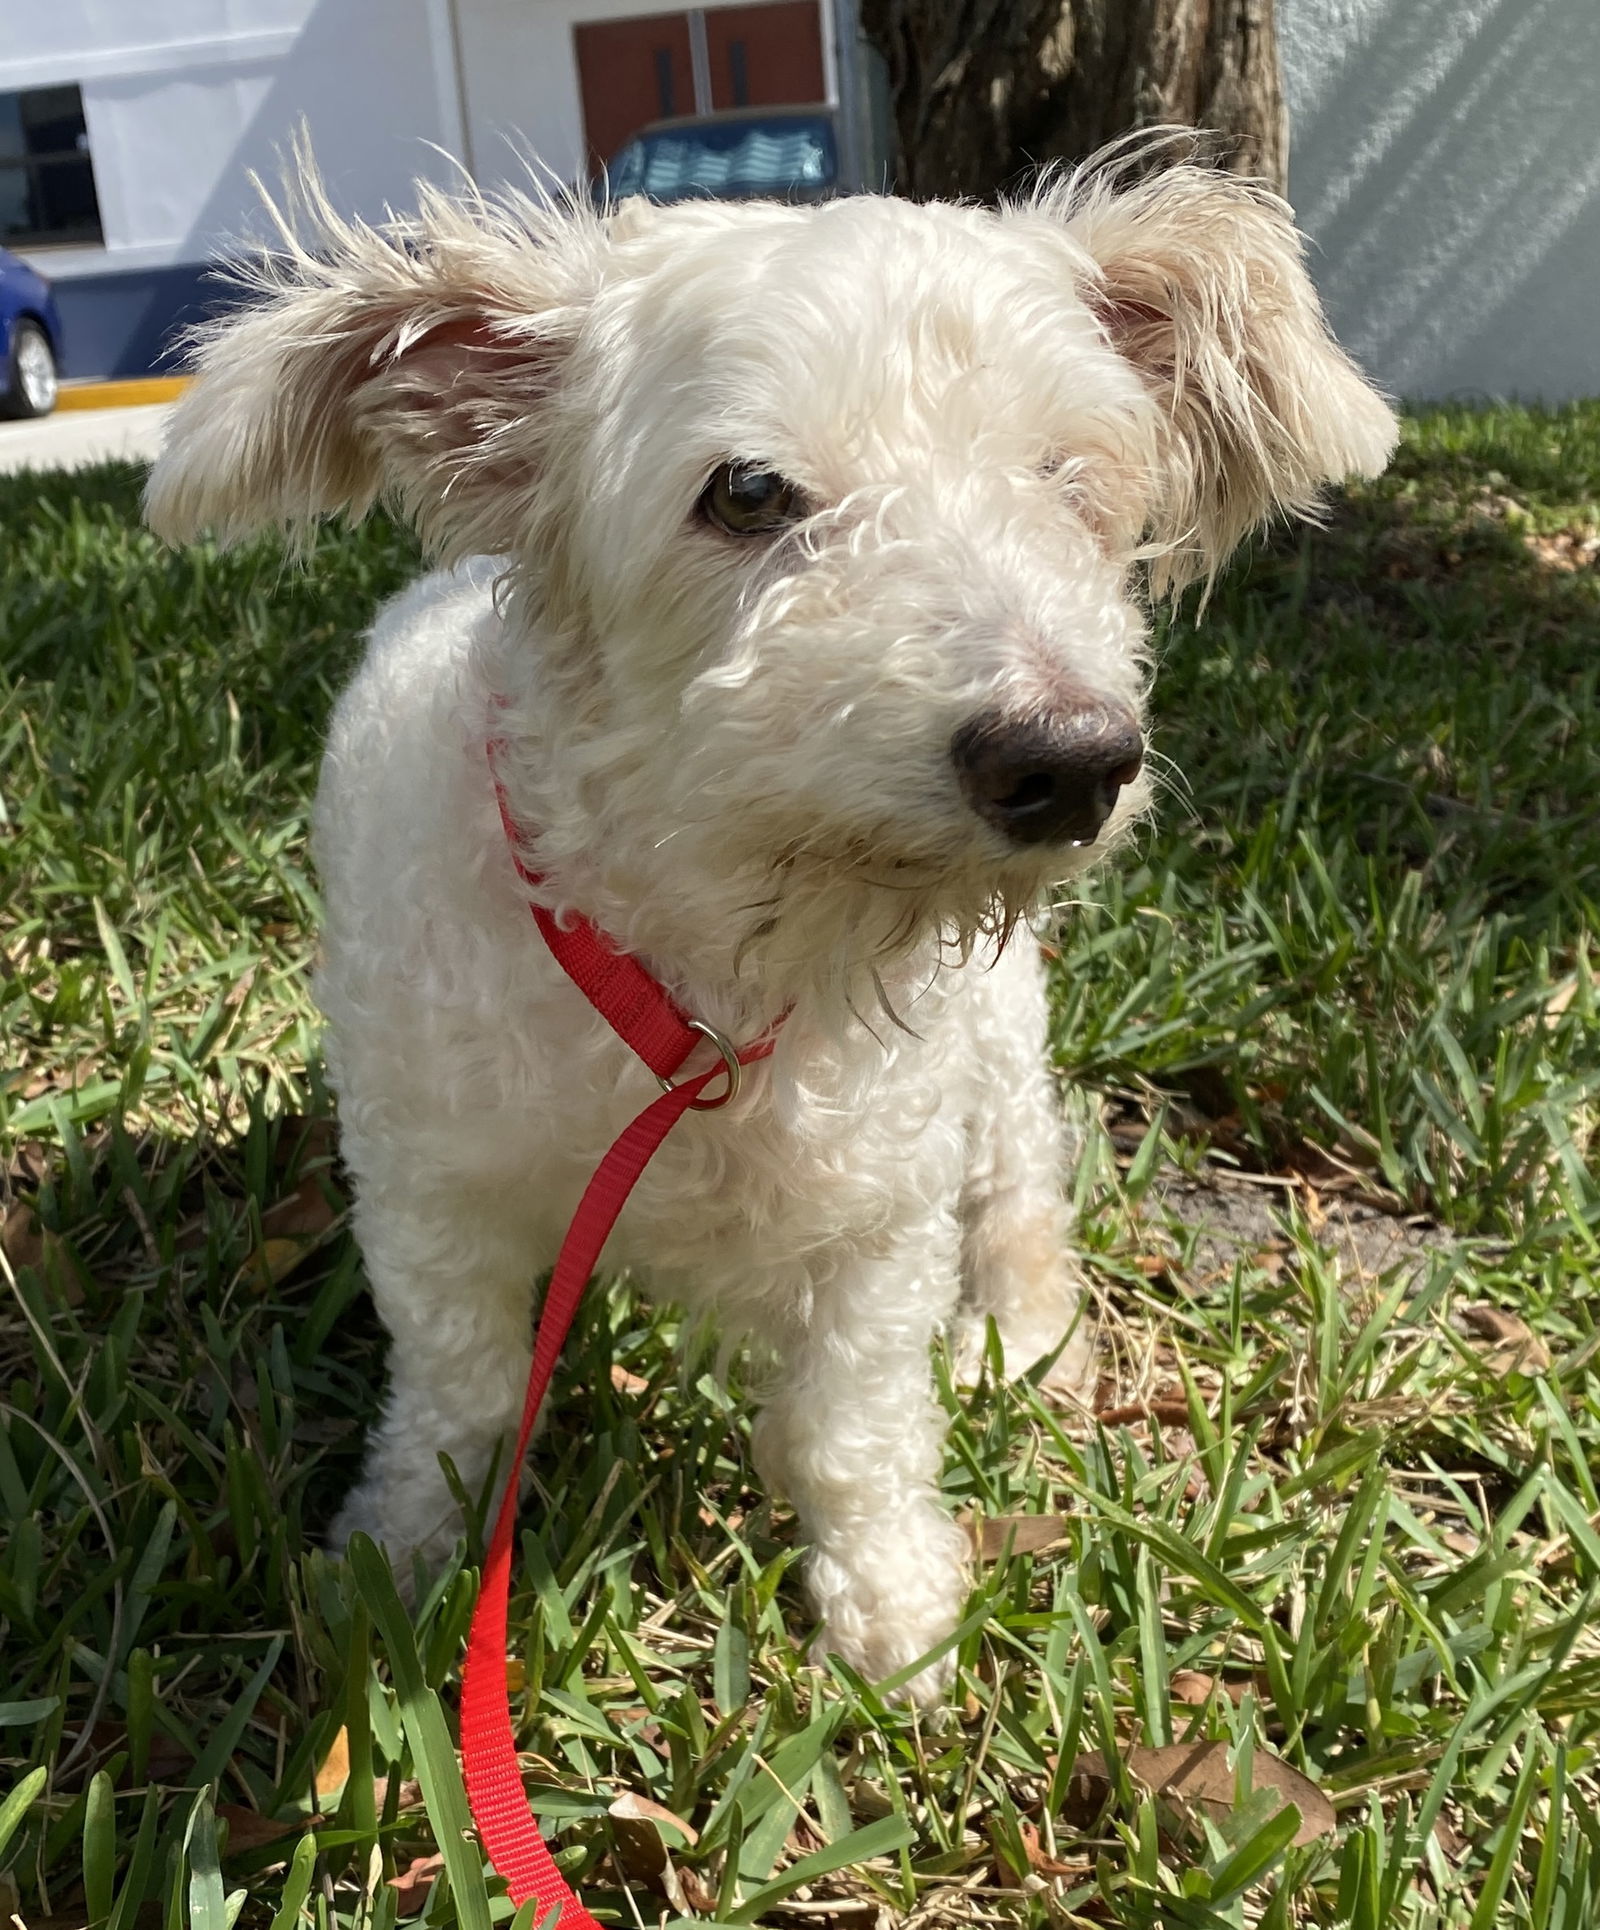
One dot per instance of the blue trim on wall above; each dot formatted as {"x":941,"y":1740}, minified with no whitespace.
{"x":127,"y":323}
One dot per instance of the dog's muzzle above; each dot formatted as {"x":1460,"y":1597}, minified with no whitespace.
{"x":1047,"y":777}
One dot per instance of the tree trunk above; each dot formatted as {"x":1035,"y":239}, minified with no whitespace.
{"x":985,"y":91}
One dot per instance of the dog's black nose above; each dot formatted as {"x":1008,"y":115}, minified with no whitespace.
{"x":1047,"y":777}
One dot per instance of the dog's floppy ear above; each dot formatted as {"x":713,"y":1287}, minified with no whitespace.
{"x":406,"y":360}
{"x":1199,"y":281}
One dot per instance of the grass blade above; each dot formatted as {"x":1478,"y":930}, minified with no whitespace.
{"x":433,"y":1753}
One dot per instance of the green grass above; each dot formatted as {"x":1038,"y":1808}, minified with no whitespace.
{"x":1351,"y":969}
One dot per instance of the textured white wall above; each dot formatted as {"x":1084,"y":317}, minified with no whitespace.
{"x":183,"y":98}
{"x":118,"y":36}
{"x":1445,"y":159}
{"x":519,"y":76}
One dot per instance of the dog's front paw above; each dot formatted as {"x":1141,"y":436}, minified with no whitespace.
{"x":929,"y":1688}
{"x":885,"y":1614}
{"x":1071,"y":1376}
{"x":410,"y":1546}
{"x":1072,"y":1373}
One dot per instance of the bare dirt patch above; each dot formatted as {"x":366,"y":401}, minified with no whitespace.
{"x":1220,"y":1219}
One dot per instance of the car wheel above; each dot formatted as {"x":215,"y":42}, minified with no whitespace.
{"x":33,"y":383}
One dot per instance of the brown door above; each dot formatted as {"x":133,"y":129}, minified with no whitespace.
{"x":765,"y":56}
{"x":631,"y":72}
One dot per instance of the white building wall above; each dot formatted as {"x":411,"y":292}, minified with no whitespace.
{"x":183,"y":98}
{"x":1445,"y":159}
{"x":519,"y":80}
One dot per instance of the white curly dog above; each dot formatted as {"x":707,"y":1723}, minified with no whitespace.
{"x":795,"y":558}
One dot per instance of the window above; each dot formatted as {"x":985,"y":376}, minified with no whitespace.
{"x":46,"y":177}
{"x":664,"y":82}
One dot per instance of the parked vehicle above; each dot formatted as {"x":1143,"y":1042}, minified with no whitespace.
{"x":30,"y":341}
{"x":741,"y":154}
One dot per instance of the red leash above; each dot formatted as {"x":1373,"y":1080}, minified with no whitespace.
{"x":651,"y":1024}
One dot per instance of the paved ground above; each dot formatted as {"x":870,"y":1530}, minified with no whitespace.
{"x":72,"y":437}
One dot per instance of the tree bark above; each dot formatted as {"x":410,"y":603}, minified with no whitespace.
{"x":984,"y":92}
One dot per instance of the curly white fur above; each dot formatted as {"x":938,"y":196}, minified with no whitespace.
{"x":735,"y":756}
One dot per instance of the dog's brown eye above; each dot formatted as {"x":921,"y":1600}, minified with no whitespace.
{"x":747,"y":501}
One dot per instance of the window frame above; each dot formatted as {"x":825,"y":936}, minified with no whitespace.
{"x":35,"y":167}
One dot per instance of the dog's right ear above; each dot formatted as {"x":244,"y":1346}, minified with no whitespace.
{"x":407,"y":361}
{"x":1198,"y":280}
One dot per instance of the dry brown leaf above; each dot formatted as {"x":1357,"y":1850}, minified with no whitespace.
{"x":1194,"y":1689}
{"x":804,"y":1837}
{"x":22,"y":1237}
{"x":1561,"y":997}
{"x":998,"y":1535}
{"x":302,"y":1215}
{"x":1191,"y":1688}
{"x":1332,"y":1172}
{"x":414,"y":1883}
{"x":640,"y":1846}
{"x":1451,"y":1842}
{"x":27,"y":1163}
{"x":247,"y":1830}
{"x":1493,"y":1323}
{"x":167,"y":1759}
{"x":407,"y":1796}
{"x":869,"y":1800}
{"x":290,"y":1229}
{"x":334,"y":1770}
{"x":641,"y":1855}
{"x":64,"y":1079}
{"x":27,"y":1242}
{"x":274,"y":1260}
{"x":191,"y":1235}
{"x":635,"y":1808}
{"x":1154,"y":1266}
{"x":1198,"y":1776}
{"x":304,"y":1141}
{"x":1169,"y":1413}
{"x":626,"y":1383}
{"x":1566,"y":550}
{"x":1040,"y":1862}
{"x":1515,"y":1348}
{"x":697,"y":1893}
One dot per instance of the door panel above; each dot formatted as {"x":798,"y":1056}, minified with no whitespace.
{"x":631,"y":72}
{"x":765,"y":56}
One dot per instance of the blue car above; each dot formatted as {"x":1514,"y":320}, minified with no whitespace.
{"x":30,"y":341}
{"x":739,"y":154}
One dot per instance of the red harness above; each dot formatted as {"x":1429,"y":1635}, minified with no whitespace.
{"x":651,"y":1024}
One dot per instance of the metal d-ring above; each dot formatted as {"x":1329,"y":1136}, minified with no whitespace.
{"x":731,"y":1064}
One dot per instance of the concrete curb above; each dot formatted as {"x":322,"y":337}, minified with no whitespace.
{"x":136,"y":393}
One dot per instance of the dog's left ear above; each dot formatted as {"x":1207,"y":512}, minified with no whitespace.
{"x":1199,"y":281}
{"x":411,"y":363}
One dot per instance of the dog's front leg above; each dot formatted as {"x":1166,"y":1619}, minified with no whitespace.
{"x":454,"y":1287}
{"x":854,"y":1436}
{"x":1016,"y":1256}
